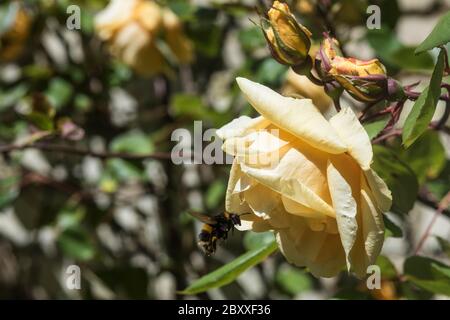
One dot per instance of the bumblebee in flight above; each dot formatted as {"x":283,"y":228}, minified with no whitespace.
{"x":214,"y":229}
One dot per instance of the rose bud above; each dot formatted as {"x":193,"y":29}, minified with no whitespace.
{"x":288,"y":40}
{"x":365,"y":81}
{"x":328,"y":51}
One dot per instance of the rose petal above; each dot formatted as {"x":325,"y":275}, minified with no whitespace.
{"x":380,"y":191}
{"x":355,"y":136}
{"x":253,"y":223}
{"x":297,"y":178}
{"x":373,"y":226}
{"x":241,"y":126}
{"x":260,"y":148}
{"x":262,"y":200}
{"x":298,"y":209}
{"x":113,"y":17}
{"x":297,"y":116}
{"x":321,"y":252}
{"x":345,"y":207}
{"x":236,"y":182}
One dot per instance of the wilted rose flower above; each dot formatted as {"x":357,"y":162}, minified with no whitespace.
{"x":316,"y":189}
{"x":15,"y":30}
{"x":288,"y":40}
{"x":132,"y":29}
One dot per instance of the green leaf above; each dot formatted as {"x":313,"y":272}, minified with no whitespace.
{"x":205,"y":32}
{"x":270,"y":72}
{"x":404,"y":58}
{"x":75,"y":242}
{"x":59,"y":92}
{"x":229,"y":272}
{"x":439,"y":36}
{"x":388,"y":271}
{"x":8,"y":13}
{"x":41,"y":121}
{"x":293,"y":280}
{"x":133,"y":142}
{"x":445,"y":245}
{"x":413,"y":292}
{"x":432,"y":157}
{"x":87,"y":22}
{"x":440,"y":185}
{"x":9,"y":189}
{"x":215,"y":194}
{"x":374,"y":128}
{"x":428,"y":274}
{"x":70,"y":217}
{"x":123,"y":170}
{"x":423,"y":110}
{"x":253,"y":240}
{"x":10,"y":97}
{"x":183,"y":9}
{"x":83,"y":102}
{"x":37,"y":72}
{"x":120,"y":73}
{"x":108,"y":183}
{"x":394,"y":53}
{"x":252,"y":38}
{"x":392,"y":230}
{"x":192,"y":106}
{"x":390,"y":10}
{"x":399,"y":177}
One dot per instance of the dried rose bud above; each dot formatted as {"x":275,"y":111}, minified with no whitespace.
{"x":328,"y":51}
{"x":364,"y":80}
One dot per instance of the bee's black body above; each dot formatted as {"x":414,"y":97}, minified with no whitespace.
{"x":215,"y":228}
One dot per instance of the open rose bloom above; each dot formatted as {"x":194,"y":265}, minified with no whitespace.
{"x":132,"y":29}
{"x":14,"y":32}
{"x":309,"y":180}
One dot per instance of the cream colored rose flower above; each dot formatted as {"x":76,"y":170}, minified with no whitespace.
{"x":313,"y":185}
{"x":132,"y":28}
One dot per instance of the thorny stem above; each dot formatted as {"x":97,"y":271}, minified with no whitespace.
{"x":391,"y":133}
{"x":362,"y":118}
{"x":314,"y":80}
{"x":366,"y":110}
{"x":398,"y":132}
{"x":441,"y":207}
{"x":412,"y":95}
{"x":429,"y":200}
{"x":337,"y":104}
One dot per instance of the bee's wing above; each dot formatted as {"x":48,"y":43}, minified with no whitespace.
{"x":203,"y":217}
